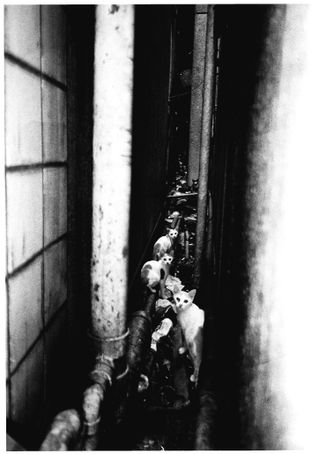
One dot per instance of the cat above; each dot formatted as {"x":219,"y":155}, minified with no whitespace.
{"x":156,"y":272}
{"x":191,"y":320}
{"x":164,"y":244}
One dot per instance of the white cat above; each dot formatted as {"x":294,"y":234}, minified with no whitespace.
{"x":164,"y":244}
{"x":191,"y":319}
{"x":156,"y":272}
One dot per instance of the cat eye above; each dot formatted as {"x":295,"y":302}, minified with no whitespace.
{"x":185,"y":301}
{"x":178,"y":299}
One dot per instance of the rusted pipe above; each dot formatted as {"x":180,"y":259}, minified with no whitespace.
{"x":206,"y":124}
{"x":139,"y":340}
{"x":149,"y":303}
{"x":198,"y":65}
{"x":92,"y":400}
{"x":113,"y":79}
{"x":63,"y":433}
{"x":101,"y":377}
{"x":138,"y":346}
{"x":103,"y":371}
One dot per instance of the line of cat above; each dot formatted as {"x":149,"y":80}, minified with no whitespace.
{"x":189,"y":316}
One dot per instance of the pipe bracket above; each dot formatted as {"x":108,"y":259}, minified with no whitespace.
{"x":98,"y":371}
{"x":113,"y":347}
{"x":91,"y":427}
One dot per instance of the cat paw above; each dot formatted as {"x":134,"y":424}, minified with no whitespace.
{"x":181,"y":350}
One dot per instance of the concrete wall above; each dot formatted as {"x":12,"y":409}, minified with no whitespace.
{"x":41,"y":85}
{"x":264,"y":183}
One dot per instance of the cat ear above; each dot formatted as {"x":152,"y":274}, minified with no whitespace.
{"x":192,"y":294}
{"x":176,"y":289}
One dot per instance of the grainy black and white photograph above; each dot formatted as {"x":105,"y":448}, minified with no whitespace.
{"x":161,"y":228}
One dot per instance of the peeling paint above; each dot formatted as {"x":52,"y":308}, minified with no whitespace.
{"x":100,"y":213}
{"x":109,"y":219}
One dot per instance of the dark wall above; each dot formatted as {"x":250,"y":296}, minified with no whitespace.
{"x":242,"y":31}
{"x":150,"y":126}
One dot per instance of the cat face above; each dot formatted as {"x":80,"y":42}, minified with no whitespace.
{"x":173,"y":233}
{"x":183,"y":299}
{"x":167,"y":259}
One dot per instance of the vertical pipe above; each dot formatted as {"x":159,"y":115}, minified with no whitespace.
{"x":198,"y":63}
{"x":281,"y":397}
{"x":205,"y":144}
{"x":113,"y":79}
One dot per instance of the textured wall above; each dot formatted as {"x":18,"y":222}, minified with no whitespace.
{"x":241,"y":30}
{"x":38,"y":91}
{"x":264,"y":181}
